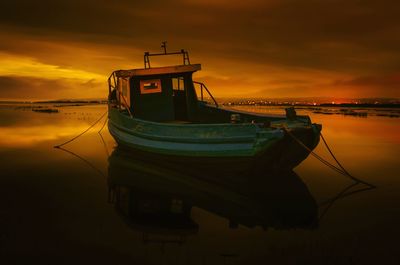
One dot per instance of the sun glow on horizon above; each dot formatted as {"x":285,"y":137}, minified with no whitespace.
{"x":11,"y":65}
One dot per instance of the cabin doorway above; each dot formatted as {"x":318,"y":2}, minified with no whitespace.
{"x":179,"y":96}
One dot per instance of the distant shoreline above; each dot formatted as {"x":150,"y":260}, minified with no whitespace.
{"x":343,"y":105}
{"x":54,"y":102}
{"x":274,"y":103}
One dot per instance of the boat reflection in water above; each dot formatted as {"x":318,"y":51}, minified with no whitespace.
{"x":158,"y":200}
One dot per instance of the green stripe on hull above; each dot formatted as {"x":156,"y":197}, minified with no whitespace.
{"x":193,"y":140}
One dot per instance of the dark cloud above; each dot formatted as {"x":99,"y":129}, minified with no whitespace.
{"x":289,"y":32}
{"x":349,"y":37}
{"x":388,"y":83}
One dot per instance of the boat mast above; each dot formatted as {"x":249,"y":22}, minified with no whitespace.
{"x":185,"y":55}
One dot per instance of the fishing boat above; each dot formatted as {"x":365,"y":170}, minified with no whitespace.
{"x":164,"y":114}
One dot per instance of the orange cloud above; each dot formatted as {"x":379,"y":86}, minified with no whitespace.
{"x":249,"y":49}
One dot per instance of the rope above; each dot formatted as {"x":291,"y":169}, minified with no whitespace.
{"x":82,"y":133}
{"x":105,"y":121}
{"x":314,"y":154}
{"x":340,"y":165}
{"x":339,"y":169}
{"x":104,"y":144}
{"x":85,"y":161}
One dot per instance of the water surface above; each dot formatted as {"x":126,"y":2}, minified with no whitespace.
{"x":58,"y":208}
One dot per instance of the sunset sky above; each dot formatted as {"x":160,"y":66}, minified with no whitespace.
{"x":255,"y":48}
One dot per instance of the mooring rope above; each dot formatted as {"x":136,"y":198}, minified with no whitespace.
{"x":104,"y":144}
{"x":82,"y":133}
{"x":87,"y":162}
{"x":339,"y":169}
{"x":340,"y":165}
{"x":105,"y":121}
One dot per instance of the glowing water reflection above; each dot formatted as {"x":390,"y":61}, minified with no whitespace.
{"x":54,"y":204}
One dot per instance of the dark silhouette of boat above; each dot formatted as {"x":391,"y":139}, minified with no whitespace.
{"x":162,"y":111}
{"x":158,"y":199}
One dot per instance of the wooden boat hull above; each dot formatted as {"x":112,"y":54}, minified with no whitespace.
{"x":234,"y":146}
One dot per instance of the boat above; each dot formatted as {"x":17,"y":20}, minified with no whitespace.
{"x":163,"y":114}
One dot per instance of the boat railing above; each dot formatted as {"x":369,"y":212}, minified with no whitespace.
{"x":203,"y":86}
{"x":113,"y":85}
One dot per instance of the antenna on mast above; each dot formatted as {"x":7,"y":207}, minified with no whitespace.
{"x":164,"y":45}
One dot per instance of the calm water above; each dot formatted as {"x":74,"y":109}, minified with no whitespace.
{"x":58,"y":208}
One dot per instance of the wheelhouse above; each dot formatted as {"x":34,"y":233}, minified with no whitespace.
{"x":160,"y":94}
{"x":170,"y":95}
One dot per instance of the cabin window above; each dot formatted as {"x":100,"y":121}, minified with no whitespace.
{"x":150,"y":86}
{"x":176,"y":206}
{"x":123,"y":84}
{"x":178,"y":83}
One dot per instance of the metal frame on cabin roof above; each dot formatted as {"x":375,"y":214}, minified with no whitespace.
{"x":185,"y":55}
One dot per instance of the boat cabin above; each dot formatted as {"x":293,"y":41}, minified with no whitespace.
{"x":158,"y":94}
{"x":161,"y":94}
{"x":170,"y":95}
